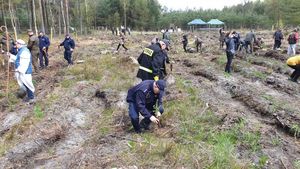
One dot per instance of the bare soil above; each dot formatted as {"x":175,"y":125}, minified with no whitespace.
{"x":67,"y":136}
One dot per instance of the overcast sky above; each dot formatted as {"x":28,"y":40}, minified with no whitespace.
{"x":205,"y":4}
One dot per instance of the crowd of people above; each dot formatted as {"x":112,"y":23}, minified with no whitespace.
{"x":31,"y":57}
{"x":146,"y":97}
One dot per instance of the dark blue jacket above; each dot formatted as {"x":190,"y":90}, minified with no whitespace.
{"x":68,"y":43}
{"x":184,"y":39}
{"x":278,"y":35}
{"x":144,"y":99}
{"x":14,"y":50}
{"x":152,"y":59}
{"x":44,"y":42}
{"x":230,"y":45}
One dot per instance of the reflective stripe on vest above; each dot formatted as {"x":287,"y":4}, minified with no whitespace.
{"x":148,"y":51}
{"x":145,"y":69}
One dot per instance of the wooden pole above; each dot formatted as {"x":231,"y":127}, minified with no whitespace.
{"x":7,"y":50}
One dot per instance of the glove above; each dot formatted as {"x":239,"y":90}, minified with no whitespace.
{"x":158,"y":114}
{"x":156,"y":78}
{"x":154,"y":119}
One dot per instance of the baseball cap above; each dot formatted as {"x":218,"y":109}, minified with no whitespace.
{"x":21,"y":42}
{"x":161,"y":84}
{"x":167,"y":42}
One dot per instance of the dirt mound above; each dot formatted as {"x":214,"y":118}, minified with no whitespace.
{"x":275,"y":54}
{"x":188,"y":63}
{"x":285,"y":119}
{"x":204,"y":73}
{"x":20,"y":154}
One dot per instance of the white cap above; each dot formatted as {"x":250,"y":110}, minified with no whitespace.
{"x":21,"y":42}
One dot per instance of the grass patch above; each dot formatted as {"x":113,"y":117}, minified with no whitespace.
{"x":67,"y":83}
{"x":222,"y":60}
{"x":105,"y":122}
{"x":296,"y":129}
{"x":297,"y":164}
{"x":111,"y":73}
{"x":259,"y":75}
{"x":38,"y":113}
{"x":276,"y":140}
{"x":51,"y":98}
{"x":276,"y":105}
{"x":196,"y":143}
{"x":263,"y":161}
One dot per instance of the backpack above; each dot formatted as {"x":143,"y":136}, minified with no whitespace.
{"x":292,"y":39}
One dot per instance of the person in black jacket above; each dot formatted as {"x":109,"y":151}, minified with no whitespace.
{"x":152,"y":61}
{"x":278,"y":36}
{"x":184,"y":42}
{"x":230,"y":51}
{"x":237,"y":39}
{"x":69,"y":46}
{"x":44,"y":44}
{"x":143,"y":98}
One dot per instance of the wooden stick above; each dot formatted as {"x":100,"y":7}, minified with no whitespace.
{"x":7,"y":50}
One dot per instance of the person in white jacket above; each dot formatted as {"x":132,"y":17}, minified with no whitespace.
{"x":23,"y":69}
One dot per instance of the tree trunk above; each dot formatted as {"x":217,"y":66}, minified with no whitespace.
{"x":125,"y":23}
{"x":52,"y":20}
{"x":77,"y":16}
{"x":29,"y":14}
{"x":34,"y":16}
{"x":42,"y":15}
{"x":63,"y":16}
{"x":85,"y":18}
{"x":45,"y":9}
{"x":80,"y":13}
{"x":12,"y":19}
{"x":59,"y":21}
{"x":67,"y":16}
{"x":3,"y":14}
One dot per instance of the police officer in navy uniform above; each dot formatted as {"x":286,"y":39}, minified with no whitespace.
{"x":152,"y":61}
{"x":143,"y":98}
{"x":69,"y":46}
{"x":44,"y":44}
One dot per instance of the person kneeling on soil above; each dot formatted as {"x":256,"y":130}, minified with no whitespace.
{"x":69,"y":46}
{"x":143,"y":99}
{"x":23,"y":69}
{"x":258,"y":44}
{"x":294,"y":62}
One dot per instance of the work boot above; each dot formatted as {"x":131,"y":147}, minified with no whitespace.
{"x":136,"y":125}
{"x":145,"y":124}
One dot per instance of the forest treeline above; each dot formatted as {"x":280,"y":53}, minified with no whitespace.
{"x":83,"y":15}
